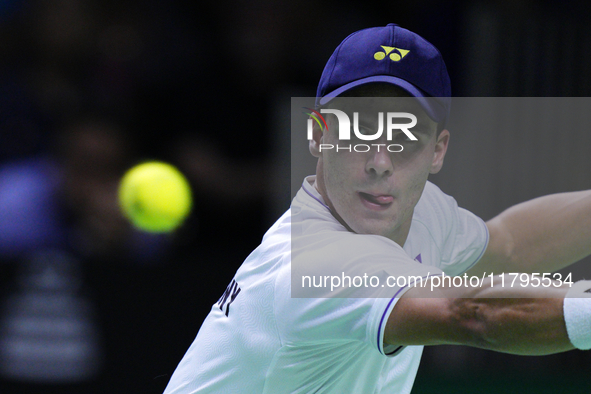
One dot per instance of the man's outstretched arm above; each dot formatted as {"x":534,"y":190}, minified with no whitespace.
{"x":541,"y":235}
{"x":509,"y":320}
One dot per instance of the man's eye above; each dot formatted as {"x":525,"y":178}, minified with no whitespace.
{"x":401,"y":137}
{"x":366,"y":131}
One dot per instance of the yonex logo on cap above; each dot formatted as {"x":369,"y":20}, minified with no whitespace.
{"x":396,"y":54}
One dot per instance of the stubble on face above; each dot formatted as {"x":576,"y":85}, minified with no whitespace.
{"x":373,"y":193}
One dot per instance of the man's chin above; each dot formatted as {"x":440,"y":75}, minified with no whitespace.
{"x":375,"y":229}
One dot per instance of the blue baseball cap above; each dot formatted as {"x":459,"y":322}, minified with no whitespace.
{"x":389,"y":54}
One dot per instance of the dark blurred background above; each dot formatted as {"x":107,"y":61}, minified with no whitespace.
{"x":90,"y":87}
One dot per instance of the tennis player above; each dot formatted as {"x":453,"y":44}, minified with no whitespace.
{"x":370,"y":219}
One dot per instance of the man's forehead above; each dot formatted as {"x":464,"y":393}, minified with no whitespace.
{"x":379,"y":97}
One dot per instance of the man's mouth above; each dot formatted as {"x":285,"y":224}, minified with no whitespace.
{"x":376,"y":201}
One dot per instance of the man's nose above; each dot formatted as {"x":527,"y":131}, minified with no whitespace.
{"x":379,"y":161}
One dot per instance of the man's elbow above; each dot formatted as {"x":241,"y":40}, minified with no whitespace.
{"x":501,"y":253}
{"x":475,"y":323}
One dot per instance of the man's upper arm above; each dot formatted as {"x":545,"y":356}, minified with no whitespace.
{"x":419,"y":321}
{"x":541,"y":235}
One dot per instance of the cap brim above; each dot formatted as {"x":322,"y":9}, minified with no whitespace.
{"x":434,"y":109}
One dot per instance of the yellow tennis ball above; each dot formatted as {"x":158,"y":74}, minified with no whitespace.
{"x":155,"y":197}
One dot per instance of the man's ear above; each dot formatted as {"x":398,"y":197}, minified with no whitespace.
{"x":440,"y":150}
{"x":317,"y":135}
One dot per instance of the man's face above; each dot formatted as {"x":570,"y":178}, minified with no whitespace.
{"x":375,"y":192}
